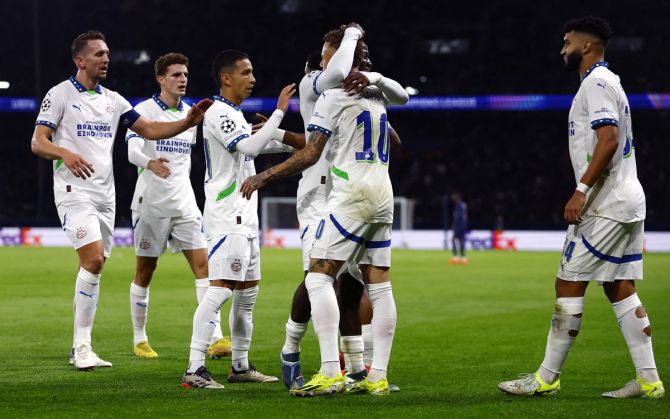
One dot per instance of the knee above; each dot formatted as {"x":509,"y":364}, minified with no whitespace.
{"x":93,"y":264}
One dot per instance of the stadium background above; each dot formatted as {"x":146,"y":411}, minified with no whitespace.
{"x":511,"y":166}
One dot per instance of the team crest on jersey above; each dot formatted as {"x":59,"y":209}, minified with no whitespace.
{"x":81,"y":233}
{"x":46,"y":104}
{"x":227,"y":125}
{"x":236,"y":266}
{"x":110,"y":109}
{"x":144,"y":244}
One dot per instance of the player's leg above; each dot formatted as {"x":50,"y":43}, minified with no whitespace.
{"x":454,"y":248}
{"x":296,"y":325}
{"x":577,"y":266}
{"x":349,"y":294}
{"x":139,"y":305}
{"x":150,"y":234}
{"x":90,"y":231}
{"x":197,"y":260}
{"x":461,"y":247}
{"x":204,"y":319}
{"x":634,"y":322}
{"x":366,"y":328}
{"x":241,"y":315}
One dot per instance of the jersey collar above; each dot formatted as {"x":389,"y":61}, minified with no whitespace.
{"x":81,"y":89}
{"x":227,"y":102}
{"x":593,"y":67}
{"x":164,"y":106}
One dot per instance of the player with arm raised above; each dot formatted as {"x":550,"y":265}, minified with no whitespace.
{"x":164,"y":207}
{"x":606,"y":215}
{"x":356,"y":222}
{"x":231,"y":221}
{"x":76,"y":126}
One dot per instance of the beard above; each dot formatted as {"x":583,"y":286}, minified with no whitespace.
{"x":573,"y":60}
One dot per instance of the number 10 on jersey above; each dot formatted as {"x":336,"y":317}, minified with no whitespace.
{"x":364,"y":119}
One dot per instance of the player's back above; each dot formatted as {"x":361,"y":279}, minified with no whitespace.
{"x":359,"y":155}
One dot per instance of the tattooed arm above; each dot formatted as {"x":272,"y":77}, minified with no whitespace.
{"x":299,"y":161}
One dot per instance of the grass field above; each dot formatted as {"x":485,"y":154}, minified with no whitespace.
{"x":461,"y":330}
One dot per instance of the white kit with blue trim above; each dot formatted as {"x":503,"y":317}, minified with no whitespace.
{"x":601,"y":101}
{"x":173,"y":196}
{"x":85,"y":122}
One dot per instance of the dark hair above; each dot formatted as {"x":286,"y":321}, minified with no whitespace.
{"x":225,"y":60}
{"x":82,"y":39}
{"x":163,"y":62}
{"x":334,"y":38}
{"x":314,"y":61}
{"x":592,"y":25}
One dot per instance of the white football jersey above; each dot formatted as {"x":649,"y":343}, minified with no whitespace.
{"x":85,"y":122}
{"x":601,"y":100}
{"x":226,"y":210}
{"x":173,"y":196}
{"x":313,"y":178}
{"x":359,"y":186}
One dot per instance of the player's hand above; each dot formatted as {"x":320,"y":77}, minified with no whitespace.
{"x":355,"y":83}
{"x":197,"y":112}
{"x":78,"y":165}
{"x":252,"y":184}
{"x":285,"y":96}
{"x":357,"y":26}
{"x":574,"y":207}
{"x":262,"y":119}
{"x":159,"y":167}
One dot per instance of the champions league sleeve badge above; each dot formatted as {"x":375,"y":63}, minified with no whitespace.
{"x":227,"y":125}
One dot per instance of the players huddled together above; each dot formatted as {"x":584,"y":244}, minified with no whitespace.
{"x":344,"y":208}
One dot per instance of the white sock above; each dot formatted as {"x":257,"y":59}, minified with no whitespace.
{"x":352,"y":348}
{"x":326,"y":319}
{"x":204,"y":321}
{"x":636,"y":330}
{"x":366,"y":329}
{"x":383,"y":328}
{"x":139,"y":306}
{"x":201,"y":286}
{"x":86,"y":291}
{"x":294,"y":334}
{"x":241,"y":321}
{"x":562,"y":334}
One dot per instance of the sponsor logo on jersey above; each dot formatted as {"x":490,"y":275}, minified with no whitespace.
{"x":236,"y":266}
{"x":227,"y":125}
{"x":81,"y":233}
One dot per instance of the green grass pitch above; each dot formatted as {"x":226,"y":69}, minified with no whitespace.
{"x":461,"y":330}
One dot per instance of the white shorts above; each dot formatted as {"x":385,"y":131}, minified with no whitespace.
{"x":234,"y":257}
{"x":86,"y":223}
{"x":153,"y":233}
{"x":603,"y":250}
{"x":338,"y":237}
{"x":310,"y":210}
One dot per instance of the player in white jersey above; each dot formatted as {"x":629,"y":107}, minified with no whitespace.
{"x":356,"y":223}
{"x":231,"y":222}
{"x":164,"y":207}
{"x":76,"y":126}
{"x":311,"y":200}
{"x":606,"y":216}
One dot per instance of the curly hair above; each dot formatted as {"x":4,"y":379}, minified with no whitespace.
{"x":592,"y":25}
{"x":334,"y":39}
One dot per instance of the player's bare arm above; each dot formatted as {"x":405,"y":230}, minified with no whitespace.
{"x":294,"y":139}
{"x":42,"y":146}
{"x":295,"y":164}
{"x":602,"y":155}
{"x":395,"y":140}
{"x":159,"y":130}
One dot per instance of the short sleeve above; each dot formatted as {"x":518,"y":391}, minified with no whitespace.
{"x":601,"y":101}
{"x":326,"y":114}
{"x":229,"y":130}
{"x":128,"y":115}
{"x":51,"y":109}
{"x":130,"y":133}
